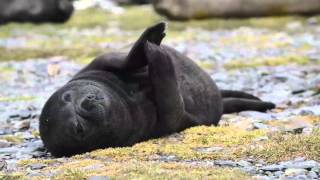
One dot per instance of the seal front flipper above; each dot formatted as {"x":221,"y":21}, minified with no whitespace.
{"x":171,"y":113}
{"x":135,"y":59}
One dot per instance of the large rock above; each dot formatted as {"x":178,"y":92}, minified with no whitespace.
{"x":197,"y":9}
{"x":132,"y":1}
{"x":35,"y":10}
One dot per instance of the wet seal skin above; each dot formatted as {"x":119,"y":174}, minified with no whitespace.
{"x":121,"y":99}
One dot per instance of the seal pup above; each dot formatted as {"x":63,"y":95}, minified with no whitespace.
{"x":120,"y":99}
{"x":35,"y":11}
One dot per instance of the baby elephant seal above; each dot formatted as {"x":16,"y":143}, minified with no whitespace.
{"x":121,"y":99}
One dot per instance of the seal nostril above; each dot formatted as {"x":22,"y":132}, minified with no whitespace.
{"x":91,"y":96}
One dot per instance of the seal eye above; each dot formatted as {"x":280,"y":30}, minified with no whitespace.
{"x":66,"y":97}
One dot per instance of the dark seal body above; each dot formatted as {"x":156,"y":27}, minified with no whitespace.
{"x":121,"y":99}
{"x":35,"y":11}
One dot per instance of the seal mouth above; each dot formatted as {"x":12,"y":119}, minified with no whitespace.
{"x":79,"y":130}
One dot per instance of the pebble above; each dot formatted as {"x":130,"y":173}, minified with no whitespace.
{"x":278,"y":173}
{"x":225,"y":163}
{"x":296,"y":125}
{"x":167,"y":158}
{"x":273,"y":167}
{"x":4,"y":143}
{"x":9,"y":150}
{"x":22,"y":125}
{"x":244,"y":163}
{"x":301,"y":164}
{"x":98,"y":178}
{"x":37,"y":166}
{"x":312,"y":175}
{"x":295,"y":172}
{"x":259,"y":177}
{"x":257,"y":115}
{"x":210,"y":149}
{"x":25,"y":114}
{"x":260,"y":126}
{"x":3,"y":165}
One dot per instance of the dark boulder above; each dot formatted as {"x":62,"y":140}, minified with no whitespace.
{"x":194,"y":9}
{"x":35,"y":11}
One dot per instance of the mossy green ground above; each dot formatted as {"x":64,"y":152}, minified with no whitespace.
{"x":145,"y":160}
{"x":133,"y":169}
{"x":41,"y":41}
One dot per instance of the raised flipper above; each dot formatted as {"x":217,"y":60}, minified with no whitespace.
{"x":232,"y":105}
{"x":135,"y":59}
{"x":237,"y":94}
{"x":169,"y":102}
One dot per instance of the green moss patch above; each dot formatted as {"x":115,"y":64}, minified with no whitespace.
{"x":268,"y":61}
{"x":281,"y":147}
{"x":23,"y":53}
{"x":140,"y":170}
{"x":186,"y":147}
{"x":16,"y":139}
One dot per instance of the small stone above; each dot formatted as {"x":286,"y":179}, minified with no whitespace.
{"x":8,"y":150}
{"x":313,"y":175}
{"x":34,"y":174}
{"x":299,"y":159}
{"x":273,"y":167}
{"x":92,"y":167}
{"x":225,"y":163}
{"x":312,"y":21}
{"x":278,"y":173}
{"x":3,"y":165}
{"x":262,"y":138}
{"x":25,"y":114}
{"x":22,"y":125}
{"x":37,"y":166}
{"x":307,"y":131}
{"x":316,"y":169}
{"x":260,"y":126}
{"x":168,"y":158}
{"x":261,"y":177}
{"x":304,"y":165}
{"x":301,"y":177}
{"x":249,"y":170}
{"x":98,"y":178}
{"x":257,"y":115}
{"x":244,"y":163}
{"x":295,"y":172}
{"x":4,"y":143}
{"x":53,"y":69}
{"x":294,"y":25}
{"x":210,"y":149}
{"x":296,"y":125}
{"x":309,"y":110}
{"x":244,"y":125}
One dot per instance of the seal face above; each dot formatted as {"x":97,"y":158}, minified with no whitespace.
{"x":76,"y":117}
{"x":121,"y":99}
